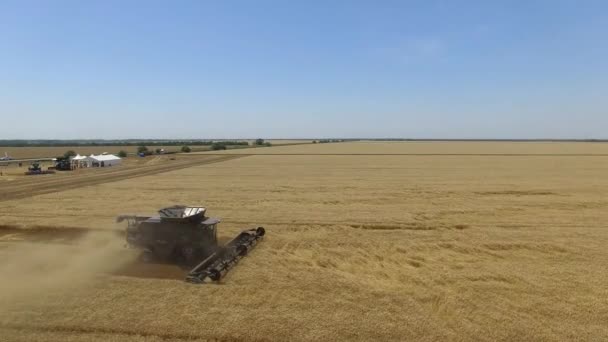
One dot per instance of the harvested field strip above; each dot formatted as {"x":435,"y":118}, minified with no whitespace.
{"x":12,"y":233}
{"x":36,"y":186}
{"x":115,"y":332}
{"x":415,"y":154}
{"x":410,"y":225}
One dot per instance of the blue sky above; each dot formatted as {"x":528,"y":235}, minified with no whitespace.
{"x":287,"y":69}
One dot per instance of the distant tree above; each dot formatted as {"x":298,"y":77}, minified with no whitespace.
{"x":122,"y":154}
{"x":259,"y":142}
{"x":314,"y":141}
{"x":218,"y":146}
{"x":186,"y":149}
{"x":142,"y":149}
{"x":69,"y":154}
{"x":158,"y":150}
{"x":267,"y":144}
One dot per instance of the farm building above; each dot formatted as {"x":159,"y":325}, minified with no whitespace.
{"x":102,"y":160}
{"x":79,"y":161}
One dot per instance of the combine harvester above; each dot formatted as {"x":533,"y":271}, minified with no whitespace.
{"x":35,"y":169}
{"x":186,"y":236}
{"x":60,"y":164}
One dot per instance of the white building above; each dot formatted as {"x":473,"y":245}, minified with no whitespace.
{"x":102,"y":160}
{"x":79,"y":161}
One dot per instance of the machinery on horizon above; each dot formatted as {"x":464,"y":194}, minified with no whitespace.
{"x":63,"y":163}
{"x":184,"y":235}
{"x":6,"y":157}
{"x":36,"y":169}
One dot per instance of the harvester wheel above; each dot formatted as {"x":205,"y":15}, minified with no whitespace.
{"x":146,"y":256}
{"x":188,"y":253}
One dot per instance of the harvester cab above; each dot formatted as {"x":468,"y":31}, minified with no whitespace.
{"x":63,"y":164}
{"x":35,"y":167}
{"x":184,"y":235}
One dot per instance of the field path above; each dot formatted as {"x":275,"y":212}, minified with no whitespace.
{"x":38,"y":185}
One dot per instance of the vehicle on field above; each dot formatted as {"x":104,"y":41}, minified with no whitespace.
{"x":184,"y":235}
{"x":63,"y":164}
{"x":36,"y":169}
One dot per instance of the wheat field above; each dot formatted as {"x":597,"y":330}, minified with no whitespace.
{"x":404,"y":241}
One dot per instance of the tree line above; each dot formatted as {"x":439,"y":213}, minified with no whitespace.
{"x":129,"y":142}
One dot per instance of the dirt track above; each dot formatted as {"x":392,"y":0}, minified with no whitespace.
{"x":38,"y":185}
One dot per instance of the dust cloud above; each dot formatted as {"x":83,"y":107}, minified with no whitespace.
{"x":31,"y":270}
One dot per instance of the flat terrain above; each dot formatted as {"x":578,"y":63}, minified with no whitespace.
{"x":438,"y":241}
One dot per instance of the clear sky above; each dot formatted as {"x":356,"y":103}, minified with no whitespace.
{"x":289,"y":69}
